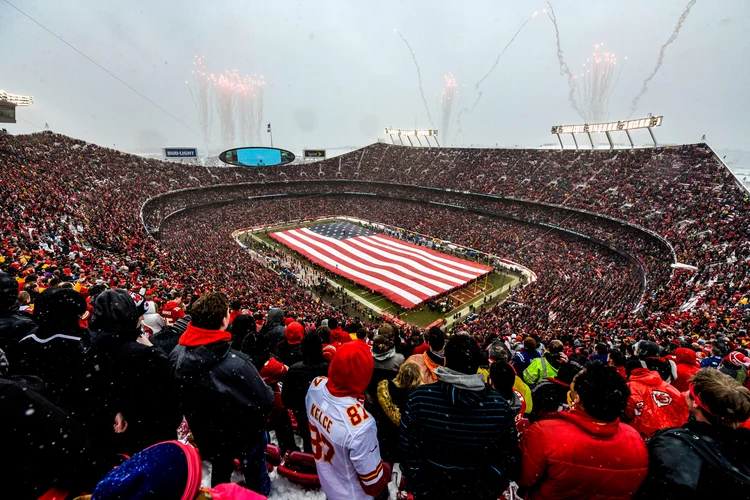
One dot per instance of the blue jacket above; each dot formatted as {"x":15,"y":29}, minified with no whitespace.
{"x":711,"y":362}
{"x":457,"y":441}
{"x":522,"y":359}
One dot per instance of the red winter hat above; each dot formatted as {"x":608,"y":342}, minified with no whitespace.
{"x":294,"y":333}
{"x":737,"y":359}
{"x":287,"y":321}
{"x":350,"y":370}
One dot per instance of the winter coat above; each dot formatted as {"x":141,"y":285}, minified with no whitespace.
{"x":297,"y":382}
{"x":273,"y":330}
{"x":14,"y":325}
{"x":539,"y":369}
{"x":653,"y":404}
{"x":522,"y":359}
{"x":711,"y":362}
{"x":339,"y":336}
{"x":457,"y":436}
{"x":221,"y":394}
{"x":570,"y":455}
{"x":387,"y":412}
{"x":698,"y":460}
{"x":687,"y":366}
{"x":288,"y":353}
{"x":56,"y":358}
{"x":43,"y":447}
{"x":153,"y":320}
{"x":121,"y":375}
{"x":388,"y":360}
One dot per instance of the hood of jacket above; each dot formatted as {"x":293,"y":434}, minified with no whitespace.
{"x":275,"y":317}
{"x":58,"y":309}
{"x":339,"y":335}
{"x":590,"y":425}
{"x":384,"y":355}
{"x":8,"y":294}
{"x":462,"y":389}
{"x":115,"y":311}
{"x":646,"y":376}
{"x":685,"y":356}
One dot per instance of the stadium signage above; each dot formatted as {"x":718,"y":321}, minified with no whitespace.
{"x":256,"y":157}
{"x":180,"y":152}
{"x":639,"y":123}
{"x":410,"y":132}
{"x":314,"y":153}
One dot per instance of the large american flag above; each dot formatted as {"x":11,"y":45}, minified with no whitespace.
{"x":405,"y":273}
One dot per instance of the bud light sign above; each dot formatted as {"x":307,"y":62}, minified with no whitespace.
{"x":180,"y":152}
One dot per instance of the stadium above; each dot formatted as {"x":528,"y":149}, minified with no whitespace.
{"x":613,"y":263}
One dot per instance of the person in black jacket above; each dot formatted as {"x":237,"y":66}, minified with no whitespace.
{"x":289,"y":351}
{"x":242,"y":325}
{"x":14,"y":325}
{"x":221,"y":394}
{"x":390,"y":401}
{"x":298,"y":380}
{"x":52,"y":351}
{"x":125,"y":379}
{"x":273,"y":329}
{"x":707,"y":457}
{"x":168,"y":336}
{"x":458,"y":435}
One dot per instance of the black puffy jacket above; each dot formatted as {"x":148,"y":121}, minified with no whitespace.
{"x":698,"y":460}
{"x":14,"y":325}
{"x":222,"y":396}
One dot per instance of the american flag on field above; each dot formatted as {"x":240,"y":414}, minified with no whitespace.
{"x":405,"y":273}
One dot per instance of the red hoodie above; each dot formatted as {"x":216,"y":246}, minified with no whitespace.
{"x":653,"y":404}
{"x":687,"y":366}
{"x":570,"y":455}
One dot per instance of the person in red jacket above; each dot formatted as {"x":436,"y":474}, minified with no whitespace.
{"x":586,"y":453}
{"x":687,"y":366}
{"x":172,"y":310}
{"x":653,"y":404}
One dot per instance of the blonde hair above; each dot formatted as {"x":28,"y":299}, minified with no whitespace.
{"x":726,"y":399}
{"x":409,"y":376}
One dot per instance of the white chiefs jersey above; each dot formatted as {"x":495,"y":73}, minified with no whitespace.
{"x":344,"y":441}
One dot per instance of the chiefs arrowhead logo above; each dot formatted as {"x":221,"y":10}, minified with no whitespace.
{"x":661,"y":398}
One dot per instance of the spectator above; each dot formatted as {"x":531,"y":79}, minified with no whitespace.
{"x":523,"y":358}
{"x":235,"y":310}
{"x":502,"y":379}
{"x":173,"y":310}
{"x":545,"y":366}
{"x":391,"y":398}
{"x":338,"y":335}
{"x":384,"y":354}
{"x":24,"y":302}
{"x":560,"y":452}
{"x":343,"y":436}
{"x":431,"y":358}
{"x":601,"y":353}
{"x":298,"y":380}
{"x":125,"y":379}
{"x":43,"y":446}
{"x":169,"y":336}
{"x":152,"y":322}
{"x":457,"y":434}
{"x":222,"y":396}
{"x":707,"y":457}
{"x":735,"y":365}
{"x":325,"y":336}
{"x":13,"y":325}
{"x":714,"y":360}
{"x":52,"y":350}
{"x":649,"y":355}
{"x":498,"y":352}
{"x":687,"y":366}
{"x":289,"y":350}
{"x":617,"y":359}
{"x":653,"y":403}
{"x":273,"y":329}
{"x":551,"y":395}
{"x":242,"y":325}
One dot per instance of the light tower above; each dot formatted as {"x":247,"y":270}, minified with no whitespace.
{"x":8,"y":104}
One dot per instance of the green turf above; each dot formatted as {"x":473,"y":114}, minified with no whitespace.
{"x":422,"y":316}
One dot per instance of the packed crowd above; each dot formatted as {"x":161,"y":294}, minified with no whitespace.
{"x":72,"y":239}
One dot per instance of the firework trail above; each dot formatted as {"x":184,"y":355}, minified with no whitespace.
{"x":249,"y":97}
{"x":617,"y":80}
{"x":201,"y":97}
{"x":660,"y":60}
{"x":224,"y":95}
{"x":564,"y":70}
{"x":447,"y":106}
{"x":595,"y":84}
{"x":419,"y":75}
{"x":258,"y":116}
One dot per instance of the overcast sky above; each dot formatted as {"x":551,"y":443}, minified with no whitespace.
{"x":336,"y":73}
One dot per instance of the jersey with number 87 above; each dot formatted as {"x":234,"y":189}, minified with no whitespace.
{"x":345,"y":445}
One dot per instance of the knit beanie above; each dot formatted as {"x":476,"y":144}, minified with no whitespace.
{"x":294,"y":333}
{"x":350,"y":370}
{"x":59,"y":309}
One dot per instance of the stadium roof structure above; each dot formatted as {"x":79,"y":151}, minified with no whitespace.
{"x":618,"y":126}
